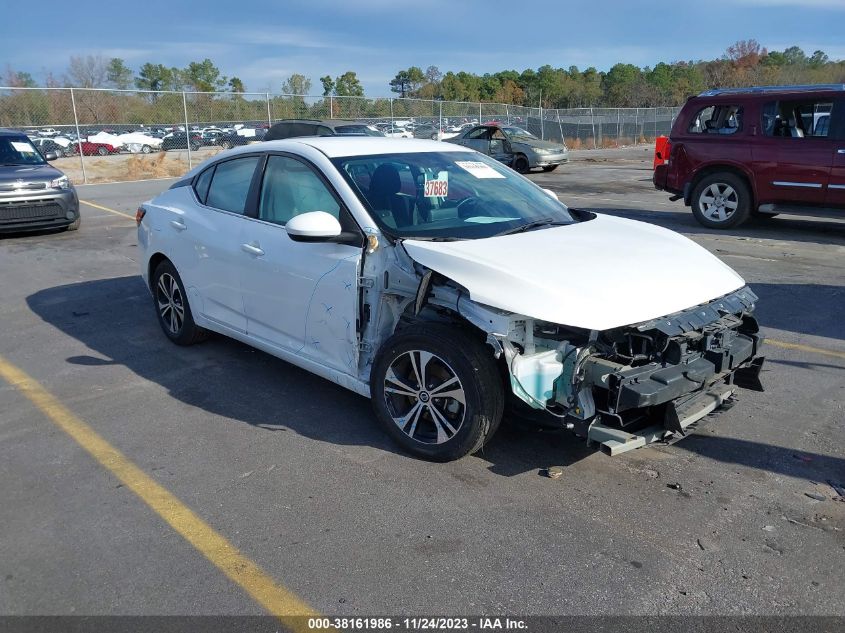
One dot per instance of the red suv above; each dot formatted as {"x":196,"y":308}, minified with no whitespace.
{"x":747,"y":152}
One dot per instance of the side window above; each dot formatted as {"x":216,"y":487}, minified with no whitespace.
{"x":230,"y":184}
{"x":797,"y":119}
{"x":201,"y":185}
{"x":718,"y":119}
{"x":482,"y":133}
{"x":291,"y":188}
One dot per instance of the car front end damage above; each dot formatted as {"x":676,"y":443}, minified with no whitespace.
{"x":627,"y":387}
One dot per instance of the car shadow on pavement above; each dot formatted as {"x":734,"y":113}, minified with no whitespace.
{"x":781,"y":228}
{"x":779,"y":460}
{"x":115,"y":319}
{"x":803,"y":308}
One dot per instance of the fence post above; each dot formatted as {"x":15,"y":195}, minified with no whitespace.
{"x":593,"y":123}
{"x":78,"y":137}
{"x":560,"y":127}
{"x":618,"y":124}
{"x":391,"y":112}
{"x":479,"y":113}
{"x":267,"y":101}
{"x":440,"y":125}
{"x":187,"y":130}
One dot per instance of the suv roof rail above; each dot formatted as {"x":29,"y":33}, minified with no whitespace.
{"x":763,"y":89}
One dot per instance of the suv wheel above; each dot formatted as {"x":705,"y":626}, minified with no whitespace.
{"x":436,"y":391}
{"x":174,"y":313}
{"x":721,"y":201}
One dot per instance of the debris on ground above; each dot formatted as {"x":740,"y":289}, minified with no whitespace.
{"x":552,"y":472}
{"x":675,"y":486}
{"x":816,"y":496}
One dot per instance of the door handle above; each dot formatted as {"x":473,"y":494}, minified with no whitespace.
{"x":178,"y":225}
{"x":252,"y":249}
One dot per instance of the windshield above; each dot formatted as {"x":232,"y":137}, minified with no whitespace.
{"x":518,"y":131}
{"x":447,"y":195}
{"x":19,"y":151}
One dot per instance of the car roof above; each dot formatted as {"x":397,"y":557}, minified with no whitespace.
{"x":337,"y":146}
{"x":7,"y":132}
{"x":340,"y":146}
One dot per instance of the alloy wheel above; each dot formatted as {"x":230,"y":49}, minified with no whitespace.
{"x":718,"y":202}
{"x":425,"y":397}
{"x":171,"y":304}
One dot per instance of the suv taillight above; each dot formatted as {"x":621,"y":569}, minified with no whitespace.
{"x":139,"y":215}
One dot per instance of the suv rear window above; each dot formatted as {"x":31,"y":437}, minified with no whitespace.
{"x":797,"y":119}
{"x":716,"y":119}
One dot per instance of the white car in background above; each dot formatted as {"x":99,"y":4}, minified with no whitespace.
{"x":397,"y":132}
{"x":445,"y":286}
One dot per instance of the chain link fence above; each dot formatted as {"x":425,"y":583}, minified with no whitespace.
{"x":114,"y":135}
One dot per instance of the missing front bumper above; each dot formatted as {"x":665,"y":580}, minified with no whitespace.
{"x":681,"y":415}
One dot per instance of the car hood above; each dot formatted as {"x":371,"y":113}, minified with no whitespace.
{"x":599,"y":274}
{"x":538,"y":144}
{"x":28,"y":173}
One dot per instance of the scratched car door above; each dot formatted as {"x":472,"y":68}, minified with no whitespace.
{"x":300,"y":297}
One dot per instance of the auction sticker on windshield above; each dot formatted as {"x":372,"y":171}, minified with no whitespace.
{"x":436,"y":188}
{"x":24,"y":148}
{"x":478,"y":169}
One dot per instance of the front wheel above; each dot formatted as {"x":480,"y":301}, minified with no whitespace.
{"x":145,"y":149}
{"x":102,"y":151}
{"x":521,"y":164}
{"x":436,"y":391}
{"x":721,"y":201}
{"x":172,"y":308}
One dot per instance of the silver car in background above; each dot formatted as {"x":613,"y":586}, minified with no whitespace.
{"x":529,"y":152}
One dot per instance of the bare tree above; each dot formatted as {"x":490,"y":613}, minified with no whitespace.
{"x":87,"y":71}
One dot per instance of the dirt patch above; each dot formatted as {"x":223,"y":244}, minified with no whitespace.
{"x":125,"y":167}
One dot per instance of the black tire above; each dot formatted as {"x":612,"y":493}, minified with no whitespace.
{"x":195,"y":147}
{"x":521,"y":164}
{"x":456,"y":353}
{"x":434,"y":136}
{"x":74,"y":226}
{"x":548,"y":168}
{"x":225,"y":144}
{"x":102,"y":151}
{"x":146,"y":149}
{"x":188,"y":332}
{"x":731,"y":190}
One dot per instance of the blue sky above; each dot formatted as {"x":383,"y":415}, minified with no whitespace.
{"x":263,"y":42}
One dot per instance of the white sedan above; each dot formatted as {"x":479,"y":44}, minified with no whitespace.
{"x":448,"y":289}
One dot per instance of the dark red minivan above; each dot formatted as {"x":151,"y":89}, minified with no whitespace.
{"x":760,"y":151}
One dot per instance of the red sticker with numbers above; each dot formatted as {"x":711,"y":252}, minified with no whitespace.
{"x":436,"y":188}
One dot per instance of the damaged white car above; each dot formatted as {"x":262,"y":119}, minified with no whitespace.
{"x":450,"y":290}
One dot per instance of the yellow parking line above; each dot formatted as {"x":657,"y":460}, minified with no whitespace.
{"x":275,"y":598}
{"x":805,"y":348}
{"x":102,"y":208}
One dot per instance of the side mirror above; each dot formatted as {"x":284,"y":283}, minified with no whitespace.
{"x":551,"y":194}
{"x":51,"y":156}
{"x":315,"y":226}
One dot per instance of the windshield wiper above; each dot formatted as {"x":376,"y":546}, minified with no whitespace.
{"x":536,"y":224}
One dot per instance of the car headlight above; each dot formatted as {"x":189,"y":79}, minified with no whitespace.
{"x":62,"y":182}
{"x":546,"y":150}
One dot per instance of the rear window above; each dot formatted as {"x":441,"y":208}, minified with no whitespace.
{"x":716,"y":119}
{"x":230,"y":184}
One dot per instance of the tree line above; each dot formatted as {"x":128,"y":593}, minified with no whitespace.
{"x":624,"y":85}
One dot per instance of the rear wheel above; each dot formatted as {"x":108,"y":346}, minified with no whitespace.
{"x":521,"y":164}
{"x":721,"y":201}
{"x":172,"y":308}
{"x":102,"y":151}
{"x":436,"y":392}
{"x":145,"y":149}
